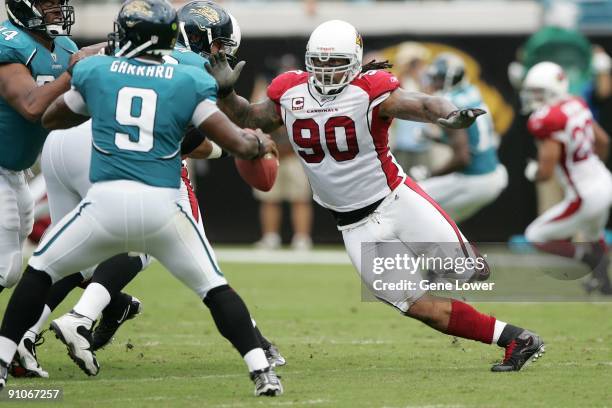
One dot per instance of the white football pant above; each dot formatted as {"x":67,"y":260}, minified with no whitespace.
{"x":462,"y":195}
{"x":408,"y":216}
{"x":16,"y":221}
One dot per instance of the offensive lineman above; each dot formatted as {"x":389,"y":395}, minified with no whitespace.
{"x":34,"y":55}
{"x":135,"y":169}
{"x":337,"y":119}
{"x":572,"y":144}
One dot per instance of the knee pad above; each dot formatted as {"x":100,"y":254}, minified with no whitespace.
{"x":10,"y":272}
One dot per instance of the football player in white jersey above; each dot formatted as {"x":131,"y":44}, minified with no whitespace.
{"x":572,"y":144}
{"x":337,"y":119}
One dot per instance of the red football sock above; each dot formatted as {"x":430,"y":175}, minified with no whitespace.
{"x":467,"y":322}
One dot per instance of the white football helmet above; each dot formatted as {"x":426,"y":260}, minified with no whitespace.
{"x":544,"y":84}
{"x":334,"y":39}
{"x":236,"y":36}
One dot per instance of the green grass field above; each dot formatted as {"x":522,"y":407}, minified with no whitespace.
{"x":341,"y":352}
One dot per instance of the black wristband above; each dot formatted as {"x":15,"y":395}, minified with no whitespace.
{"x":70,"y":69}
{"x":223,"y":92}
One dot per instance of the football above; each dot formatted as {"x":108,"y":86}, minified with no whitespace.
{"x":259,"y":173}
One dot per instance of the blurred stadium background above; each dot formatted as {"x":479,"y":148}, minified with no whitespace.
{"x":488,"y":34}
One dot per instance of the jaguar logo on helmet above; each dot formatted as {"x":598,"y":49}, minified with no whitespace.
{"x":208,"y":13}
{"x":138,"y":7}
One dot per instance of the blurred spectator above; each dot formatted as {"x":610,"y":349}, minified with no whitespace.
{"x":291,"y":183}
{"x":410,"y":146}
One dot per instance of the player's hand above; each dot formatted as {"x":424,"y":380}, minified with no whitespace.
{"x":460,"y":119}
{"x":531,"y":170}
{"x":81,"y":55}
{"x":223,"y":73}
{"x":418,"y":172}
{"x":267,"y":145}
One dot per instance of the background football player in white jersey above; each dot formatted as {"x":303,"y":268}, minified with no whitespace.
{"x":572,"y":144}
{"x":473,"y":177}
{"x":337,"y":119}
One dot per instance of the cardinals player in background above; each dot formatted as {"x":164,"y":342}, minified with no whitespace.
{"x":337,"y":115}
{"x":572,"y":144}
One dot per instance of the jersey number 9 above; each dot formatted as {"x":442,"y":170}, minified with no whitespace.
{"x":136,"y":107}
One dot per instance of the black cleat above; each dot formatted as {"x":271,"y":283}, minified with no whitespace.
{"x":521,"y":351}
{"x":124,"y":307}
{"x":4,"y":371}
{"x":266,"y":383}
{"x":275,"y":359}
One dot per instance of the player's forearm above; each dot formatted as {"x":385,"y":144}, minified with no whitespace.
{"x":436,"y":107}
{"x":236,"y":108}
{"x":59,"y":116}
{"x":38,"y":100}
{"x":262,"y":115}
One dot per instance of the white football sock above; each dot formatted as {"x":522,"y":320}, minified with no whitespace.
{"x":8,"y":349}
{"x":499,"y":328}
{"x":256,"y":360}
{"x":41,"y":321}
{"x":93,"y":301}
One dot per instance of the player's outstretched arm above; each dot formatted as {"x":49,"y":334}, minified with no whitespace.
{"x":19,"y":89}
{"x":262,"y":115}
{"x":67,"y":111}
{"x":242,"y":143}
{"x":420,"y":107}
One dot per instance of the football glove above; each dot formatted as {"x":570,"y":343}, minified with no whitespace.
{"x":461,"y":118}
{"x":223,"y":73}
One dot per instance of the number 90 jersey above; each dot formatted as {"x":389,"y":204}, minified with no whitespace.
{"x":342,"y":141}
{"x":570,"y":123}
{"x":139,"y":112}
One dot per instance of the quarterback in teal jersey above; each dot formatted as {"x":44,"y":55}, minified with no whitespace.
{"x":139,"y":108}
{"x":34,"y":55}
{"x":473,"y":177}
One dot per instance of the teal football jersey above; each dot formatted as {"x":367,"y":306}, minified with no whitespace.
{"x":481,"y":135}
{"x":184,"y":56}
{"x":139,"y":111}
{"x":20,"y":139}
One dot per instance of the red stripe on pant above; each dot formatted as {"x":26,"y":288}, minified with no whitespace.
{"x":417,"y":189}
{"x":193,"y":201}
{"x":571,"y":209}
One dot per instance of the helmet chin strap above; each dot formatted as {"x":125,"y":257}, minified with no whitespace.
{"x":141,"y":47}
{"x":184,"y":35}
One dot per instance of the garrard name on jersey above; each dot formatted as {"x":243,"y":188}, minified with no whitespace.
{"x":151,"y":71}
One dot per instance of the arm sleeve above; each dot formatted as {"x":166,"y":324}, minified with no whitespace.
{"x":75,"y":102}
{"x":193,"y":138}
